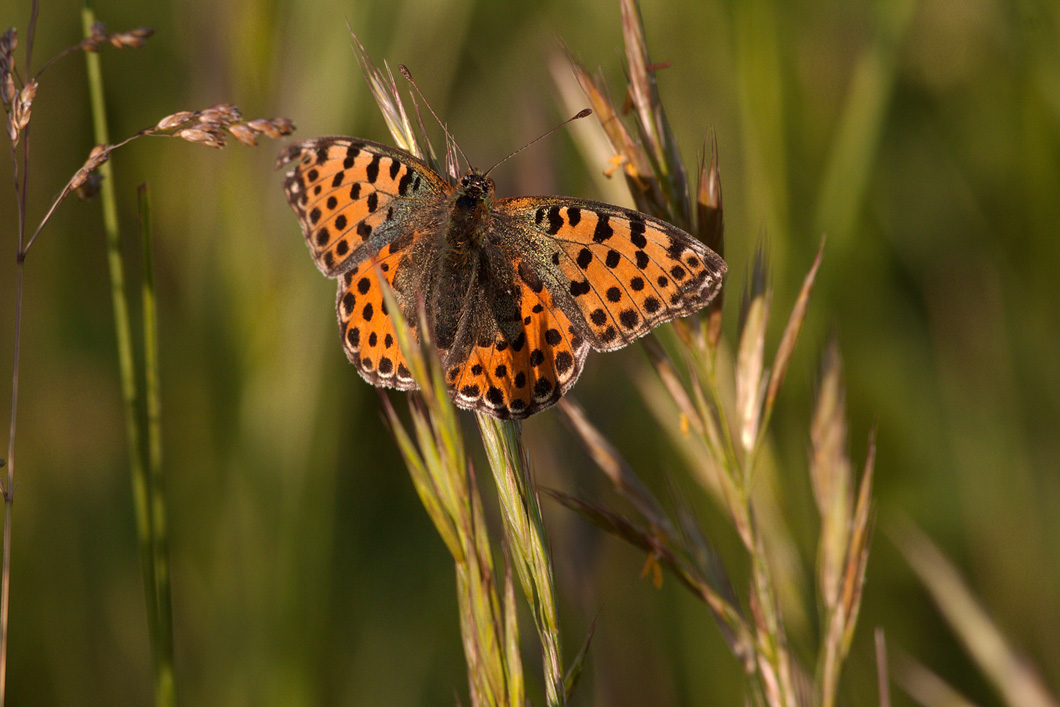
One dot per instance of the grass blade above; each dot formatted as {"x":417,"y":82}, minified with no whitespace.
{"x":1015,"y":679}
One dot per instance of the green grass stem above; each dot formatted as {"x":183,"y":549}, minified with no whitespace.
{"x":142,"y":500}
{"x":165,"y":688}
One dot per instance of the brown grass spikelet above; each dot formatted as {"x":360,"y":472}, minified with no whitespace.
{"x":174,"y":120}
{"x":99,"y":152}
{"x":243,"y":133}
{"x":131,"y":39}
{"x":208,"y":134}
{"x":275,"y":128}
{"x":8,"y":90}
{"x":24,"y":100}
{"x":710,"y":227}
{"x":8,"y":44}
{"x":21,"y":103}
{"x":223,"y":113}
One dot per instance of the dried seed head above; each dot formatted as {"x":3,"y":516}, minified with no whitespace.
{"x":26,"y":96}
{"x":284,"y":126}
{"x":20,"y":110}
{"x":98,"y":155}
{"x":261,"y":125}
{"x":210,"y":116}
{"x":8,"y":42}
{"x":133,"y":39}
{"x":8,"y":89}
{"x":172,"y":121}
{"x":20,"y":113}
{"x":207,"y":134}
{"x":244,"y":134}
{"x":97,"y":37}
{"x":222,"y":113}
{"x":231,"y":113}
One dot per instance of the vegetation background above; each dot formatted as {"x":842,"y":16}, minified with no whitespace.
{"x":923,"y":136}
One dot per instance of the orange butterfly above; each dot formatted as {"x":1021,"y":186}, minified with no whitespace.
{"x":517,"y":290}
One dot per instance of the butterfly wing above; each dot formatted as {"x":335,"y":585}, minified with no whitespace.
{"x":363,"y":205}
{"x":354,"y":196}
{"x":583,"y":275}
{"x":366,"y":330}
{"x":615,"y":273}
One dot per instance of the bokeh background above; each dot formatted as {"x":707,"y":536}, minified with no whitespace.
{"x":923,"y":136}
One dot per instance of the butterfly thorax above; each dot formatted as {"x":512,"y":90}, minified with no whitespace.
{"x":469,"y":208}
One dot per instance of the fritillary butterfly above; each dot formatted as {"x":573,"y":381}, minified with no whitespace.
{"x":517,"y":290}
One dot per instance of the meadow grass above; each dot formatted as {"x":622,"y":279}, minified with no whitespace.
{"x":785,"y":597}
{"x":141,"y":405}
{"x":754,"y":627}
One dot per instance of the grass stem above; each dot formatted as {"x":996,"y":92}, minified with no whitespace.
{"x":160,"y":635}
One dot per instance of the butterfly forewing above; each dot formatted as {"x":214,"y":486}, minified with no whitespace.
{"x":625,"y":272}
{"x":353,"y":196}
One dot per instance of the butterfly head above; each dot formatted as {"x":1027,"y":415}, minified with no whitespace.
{"x":476,"y":186}
{"x":470,"y":206}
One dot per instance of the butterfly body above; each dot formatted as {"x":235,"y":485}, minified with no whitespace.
{"x":517,"y":290}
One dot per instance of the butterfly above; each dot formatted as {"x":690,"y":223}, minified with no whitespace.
{"x":517,"y":290}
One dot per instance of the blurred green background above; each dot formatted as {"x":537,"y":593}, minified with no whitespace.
{"x":922,"y":136}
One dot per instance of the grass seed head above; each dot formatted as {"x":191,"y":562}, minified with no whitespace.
{"x":244,"y":134}
{"x":177,"y":119}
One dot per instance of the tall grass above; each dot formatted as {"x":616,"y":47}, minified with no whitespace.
{"x":141,"y":412}
{"x":756,"y":633}
{"x":920,"y":137}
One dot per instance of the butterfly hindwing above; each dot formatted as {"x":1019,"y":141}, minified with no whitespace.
{"x":624,"y":272}
{"x":365,"y":326}
{"x":518,"y":376}
{"x":353,"y":196}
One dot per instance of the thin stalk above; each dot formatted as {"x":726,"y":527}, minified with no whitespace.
{"x":165,"y":690}
{"x":122,"y":330}
{"x":9,"y":486}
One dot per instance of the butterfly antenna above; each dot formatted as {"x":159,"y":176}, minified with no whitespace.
{"x":408,"y":76}
{"x":584,"y":113}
